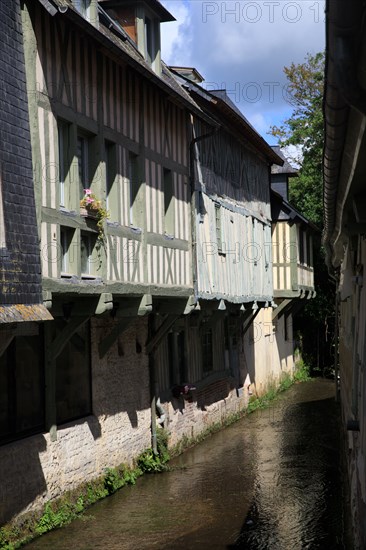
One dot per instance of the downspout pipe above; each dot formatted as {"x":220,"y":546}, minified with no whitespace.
{"x":152,"y":378}
{"x":195,"y":203}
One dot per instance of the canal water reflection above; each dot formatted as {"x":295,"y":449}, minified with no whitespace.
{"x":271,"y":481}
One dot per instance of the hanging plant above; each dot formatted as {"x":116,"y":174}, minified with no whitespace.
{"x":91,"y":207}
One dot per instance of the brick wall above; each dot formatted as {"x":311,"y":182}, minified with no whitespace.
{"x":19,"y":247}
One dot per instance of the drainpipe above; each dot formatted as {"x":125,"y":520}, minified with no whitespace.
{"x":161,"y":412}
{"x":195,"y":204}
{"x":152,"y":377}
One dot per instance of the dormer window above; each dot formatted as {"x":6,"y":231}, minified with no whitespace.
{"x":149,"y":41}
{"x":83,"y":6}
{"x":152,"y":43}
{"x":140,"y":19}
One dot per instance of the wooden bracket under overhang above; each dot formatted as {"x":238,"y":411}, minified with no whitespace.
{"x":280,"y":310}
{"x":117,"y":330}
{"x":105,"y":303}
{"x":164,"y":328}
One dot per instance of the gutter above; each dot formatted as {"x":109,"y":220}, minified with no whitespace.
{"x":343,"y":23}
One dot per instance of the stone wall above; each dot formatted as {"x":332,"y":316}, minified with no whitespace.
{"x":35,"y":469}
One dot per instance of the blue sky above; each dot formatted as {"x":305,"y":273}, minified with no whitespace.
{"x":243,"y":47}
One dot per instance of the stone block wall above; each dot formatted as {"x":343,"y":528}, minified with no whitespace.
{"x":35,"y":469}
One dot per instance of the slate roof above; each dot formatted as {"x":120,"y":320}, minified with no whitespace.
{"x":283,"y":210}
{"x":115,"y":37}
{"x":230,"y":112}
{"x":286,"y":168}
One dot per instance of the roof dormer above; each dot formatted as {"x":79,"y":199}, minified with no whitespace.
{"x":88,"y":9}
{"x":141,"y":21}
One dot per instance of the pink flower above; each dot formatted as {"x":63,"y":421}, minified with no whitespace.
{"x":87,"y":191}
{"x":89,"y":200}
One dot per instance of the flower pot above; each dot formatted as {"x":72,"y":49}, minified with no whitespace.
{"x":88,"y":213}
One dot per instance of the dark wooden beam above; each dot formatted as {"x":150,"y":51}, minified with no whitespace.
{"x":6,"y":338}
{"x":280,"y":310}
{"x":64,"y":336}
{"x":164,"y":328}
{"x":252,"y":315}
{"x":117,"y":330}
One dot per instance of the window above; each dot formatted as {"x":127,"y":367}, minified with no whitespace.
{"x":82,"y":154}
{"x":64,"y":163}
{"x":22,"y":387}
{"x":308,"y":249}
{"x":169,"y":203}
{"x":288,"y":327}
{"x":149,"y":40}
{"x":73,"y":377}
{"x":67,"y":260}
{"x":302,"y":250}
{"x":112,"y":202}
{"x":134,"y":182}
{"x":207,"y":351}
{"x":88,"y":260}
{"x":176,"y":357}
{"x":218,"y":225}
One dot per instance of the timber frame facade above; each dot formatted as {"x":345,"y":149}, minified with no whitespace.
{"x":292,"y":249}
{"x":344,"y":233}
{"x":153,"y":218}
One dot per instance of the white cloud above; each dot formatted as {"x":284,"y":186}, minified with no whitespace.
{"x":244,"y":46}
{"x":176,"y":37}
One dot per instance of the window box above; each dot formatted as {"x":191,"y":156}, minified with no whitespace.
{"x":88,"y":213}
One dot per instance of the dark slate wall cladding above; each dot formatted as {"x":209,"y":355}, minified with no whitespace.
{"x":20,"y":279}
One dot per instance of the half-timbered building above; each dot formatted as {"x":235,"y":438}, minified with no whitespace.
{"x":110,"y":149}
{"x":292,"y":254}
{"x":344,"y":236}
{"x":232,"y":236}
{"x":153,"y":220}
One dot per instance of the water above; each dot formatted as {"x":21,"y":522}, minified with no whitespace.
{"x":271,"y":481}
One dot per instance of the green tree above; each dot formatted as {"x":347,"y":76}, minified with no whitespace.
{"x":304,"y":130}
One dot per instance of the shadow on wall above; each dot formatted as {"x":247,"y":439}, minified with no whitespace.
{"x":213,"y":393}
{"x":247,"y":352}
{"x":121,"y":378}
{"x":26,"y":468}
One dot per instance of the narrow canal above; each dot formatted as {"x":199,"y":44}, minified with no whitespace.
{"x":271,"y":481}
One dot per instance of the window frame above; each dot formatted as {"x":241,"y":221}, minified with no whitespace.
{"x":111,"y":186}
{"x":9,"y":356}
{"x":134,"y":184}
{"x":67,"y":237}
{"x":207,"y":366}
{"x":64,"y":164}
{"x":92,"y":252}
{"x":83,"y":167}
{"x":169,"y":202}
{"x":89,"y":412}
{"x":218,"y":228}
